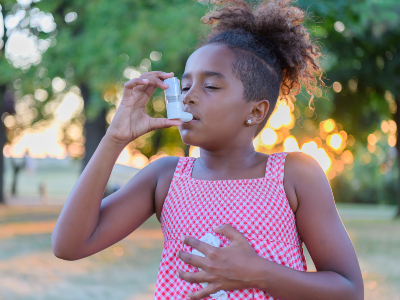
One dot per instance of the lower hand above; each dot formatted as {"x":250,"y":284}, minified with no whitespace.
{"x":227,"y":268}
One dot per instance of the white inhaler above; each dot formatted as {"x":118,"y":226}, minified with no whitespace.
{"x":173,"y":100}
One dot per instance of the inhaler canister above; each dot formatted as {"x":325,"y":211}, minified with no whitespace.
{"x":173,"y":100}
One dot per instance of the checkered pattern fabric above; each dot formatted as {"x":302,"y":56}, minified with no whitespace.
{"x":258,"y":208}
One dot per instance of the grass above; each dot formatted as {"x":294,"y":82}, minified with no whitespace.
{"x":29,"y":270}
{"x":128,"y":269}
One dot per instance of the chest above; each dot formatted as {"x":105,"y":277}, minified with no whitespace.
{"x":217,"y":193}
{"x":257,"y":208}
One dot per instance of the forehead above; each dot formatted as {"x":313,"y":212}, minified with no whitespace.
{"x":213,"y":57}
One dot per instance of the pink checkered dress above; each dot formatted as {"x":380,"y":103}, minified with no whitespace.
{"x":258,"y":208}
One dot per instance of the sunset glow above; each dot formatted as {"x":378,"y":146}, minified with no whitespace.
{"x":328,"y":148}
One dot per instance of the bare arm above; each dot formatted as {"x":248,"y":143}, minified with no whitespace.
{"x":338,"y":274}
{"x":87,"y":224}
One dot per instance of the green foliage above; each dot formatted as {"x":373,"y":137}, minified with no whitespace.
{"x":360,"y":43}
{"x":361,"y":48}
{"x":108,"y":37}
{"x":365,"y":183}
{"x":364,"y":58}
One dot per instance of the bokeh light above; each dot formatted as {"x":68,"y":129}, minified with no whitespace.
{"x":194,"y":151}
{"x":337,"y":87}
{"x":335,"y":141}
{"x":291,"y":144}
{"x":328,"y":125}
{"x":155,"y":55}
{"x":70,"y":106}
{"x":269,"y":137}
{"x":339,"y":26}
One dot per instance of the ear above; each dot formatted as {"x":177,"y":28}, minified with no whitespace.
{"x":259,"y":111}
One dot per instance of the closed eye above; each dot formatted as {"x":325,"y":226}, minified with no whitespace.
{"x":208,"y":87}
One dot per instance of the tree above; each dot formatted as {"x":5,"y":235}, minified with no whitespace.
{"x":20,"y":19}
{"x":362,"y":43}
{"x":98,"y":42}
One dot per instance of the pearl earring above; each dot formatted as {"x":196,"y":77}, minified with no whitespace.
{"x":249,"y":121}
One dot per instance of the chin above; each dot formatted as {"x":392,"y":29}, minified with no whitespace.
{"x":189,"y":137}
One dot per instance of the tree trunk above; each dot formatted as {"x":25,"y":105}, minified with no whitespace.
{"x":6,"y":106}
{"x":397,"y":120}
{"x":2,"y":142}
{"x":94,"y":129}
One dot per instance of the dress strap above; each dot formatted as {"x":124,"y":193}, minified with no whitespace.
{"x":184,"y":166}
{"x":275,"y":165}
{"x":268,"y":166}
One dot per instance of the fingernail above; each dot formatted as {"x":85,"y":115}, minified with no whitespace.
{"x":182,"y":238}
{"x":187,"y":297}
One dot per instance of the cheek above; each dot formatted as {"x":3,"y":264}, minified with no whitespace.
{"x":214,"y":115}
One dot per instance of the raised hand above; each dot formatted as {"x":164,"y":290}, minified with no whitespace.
{"x":227,"y":268}
{"x":130,"y":120}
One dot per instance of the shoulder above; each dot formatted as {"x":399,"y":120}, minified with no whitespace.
{"x":165,"y":163}
{"x":162,"y":165}
{"x":302,"y":165}
{"x":158,"y":170}
{"x":302,"y":173}
{"x":312,"y":188}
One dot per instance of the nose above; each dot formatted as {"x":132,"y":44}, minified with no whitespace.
{"x":188,"y":97}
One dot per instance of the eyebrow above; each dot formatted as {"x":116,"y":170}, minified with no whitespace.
{"x":206,"y":74}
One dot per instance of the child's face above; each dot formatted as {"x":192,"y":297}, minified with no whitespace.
{"x":216,"y":101}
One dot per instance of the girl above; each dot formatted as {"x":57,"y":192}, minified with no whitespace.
{"x":261,"y":207}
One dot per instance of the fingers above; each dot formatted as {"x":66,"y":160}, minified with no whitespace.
{"x":198,"y":245}
{"x":203,"y":293}
{"x":193,"y":277}
{"x":192,"y":259}
{"x":159,"y":74}
{"x":147,"y":82}
{"x":230,"y":232}
{"x":133,"y":83}
{"x":147,"y":75}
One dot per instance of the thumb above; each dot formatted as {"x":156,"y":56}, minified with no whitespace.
{"x":158,"y":123}
{"x":231,"y":233}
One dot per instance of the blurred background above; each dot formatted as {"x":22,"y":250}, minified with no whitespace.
{"x":63,"y":65}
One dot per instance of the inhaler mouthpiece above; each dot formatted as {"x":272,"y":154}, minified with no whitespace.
{"x":173,"y":100}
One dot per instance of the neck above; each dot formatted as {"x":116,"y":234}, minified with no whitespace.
{"x":227,"y":159}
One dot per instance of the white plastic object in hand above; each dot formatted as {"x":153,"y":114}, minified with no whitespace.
{"x":213,"y":241}
{"x":173,"y":100}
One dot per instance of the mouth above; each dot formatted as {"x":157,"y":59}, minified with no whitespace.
{"x":194,"y":120}
{"x":194,"y":117}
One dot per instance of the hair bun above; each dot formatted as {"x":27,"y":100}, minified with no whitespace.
{"x":277,"y":23}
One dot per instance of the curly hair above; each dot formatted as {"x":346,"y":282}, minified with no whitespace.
{"x":272,"y":51}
